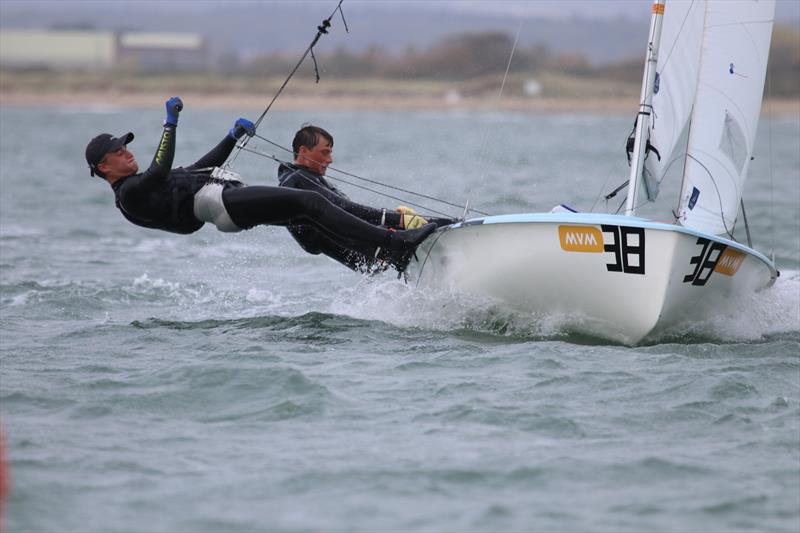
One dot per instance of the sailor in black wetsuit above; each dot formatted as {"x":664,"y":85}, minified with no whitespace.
{"x":313,"y":152}
{"x":182,"y":199}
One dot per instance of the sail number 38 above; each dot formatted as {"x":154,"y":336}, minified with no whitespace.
{"x":627,"y":245}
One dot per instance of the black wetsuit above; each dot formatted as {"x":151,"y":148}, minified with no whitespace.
{"x":163,"y":198}
{"x":316,"y":242}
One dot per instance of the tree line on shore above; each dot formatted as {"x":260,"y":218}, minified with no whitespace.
{"x":470,"y":64}
{"x":473,"y":55}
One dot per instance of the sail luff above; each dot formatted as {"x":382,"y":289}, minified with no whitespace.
{"x":674,"y":91}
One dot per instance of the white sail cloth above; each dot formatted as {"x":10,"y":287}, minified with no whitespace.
{"x":707,"y":100}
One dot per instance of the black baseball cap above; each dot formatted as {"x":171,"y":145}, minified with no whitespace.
{"x":104,"y":143}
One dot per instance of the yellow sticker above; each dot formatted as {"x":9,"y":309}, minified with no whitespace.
{"x":580,"y":239}
{"x":729,"y":262}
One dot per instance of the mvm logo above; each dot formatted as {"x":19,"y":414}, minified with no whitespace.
{"x":580,"y":239}
{"x":729,"y":262}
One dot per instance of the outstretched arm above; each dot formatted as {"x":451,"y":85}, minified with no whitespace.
{"x":219,"y":154}
{"x":372,"y":215}
{"x":165,"y":154}
{"x":375,"y":216}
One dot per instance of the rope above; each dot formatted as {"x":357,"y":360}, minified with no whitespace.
{"x":322,"y":29}
{"x":510,"y":57}
{"x":719,"y":198}
{"x":609,"y":195}
{"x":484,"y":144}
{"x":771,"y":185}
{"x":365,"y":188}
{"x":746,"y":225}
{"x":376,"y":182}
{"x":406,"y":191}
{"x":405,"y":201}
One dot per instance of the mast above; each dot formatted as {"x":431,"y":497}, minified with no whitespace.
{"x":645,"y":106}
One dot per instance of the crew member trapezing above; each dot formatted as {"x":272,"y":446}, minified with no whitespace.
{"x":183,"y":199}
{"x":312,"y":148}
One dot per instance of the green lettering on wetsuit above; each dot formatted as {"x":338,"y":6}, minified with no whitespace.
{"x":163,"y":146}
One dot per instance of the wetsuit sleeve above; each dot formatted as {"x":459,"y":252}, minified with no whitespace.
{"x":162,"y":162}
{"x":364,"y":212}
{"x":217,"y":156}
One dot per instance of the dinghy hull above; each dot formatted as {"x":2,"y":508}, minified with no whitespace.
{"x":616,"y":277}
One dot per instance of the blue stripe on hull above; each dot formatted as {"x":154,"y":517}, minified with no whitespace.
{"x":618,"y":220}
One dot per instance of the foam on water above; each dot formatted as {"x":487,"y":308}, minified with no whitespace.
{"x":14,"y":231}
{"x":749,"y":318}
{"x":771,"y":312}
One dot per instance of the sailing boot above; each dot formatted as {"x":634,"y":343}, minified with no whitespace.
{"x":401,"y":244}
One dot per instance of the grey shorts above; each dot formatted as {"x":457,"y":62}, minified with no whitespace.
{"x":208,"y":207}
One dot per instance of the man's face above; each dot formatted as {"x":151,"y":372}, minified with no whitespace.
{"x":318,"y":158}
{"x":118,"y":164}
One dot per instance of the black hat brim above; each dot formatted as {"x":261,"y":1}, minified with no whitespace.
{"x":120,"y":141}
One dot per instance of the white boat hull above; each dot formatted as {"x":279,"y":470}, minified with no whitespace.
{"x":617,"y":277}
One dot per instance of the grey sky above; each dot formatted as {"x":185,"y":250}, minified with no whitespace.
{"x":787,"y":10}
{"x":601,"y":30}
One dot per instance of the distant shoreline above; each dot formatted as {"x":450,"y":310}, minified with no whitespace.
{"x":343,"y":102}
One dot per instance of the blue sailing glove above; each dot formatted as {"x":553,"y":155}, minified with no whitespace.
{"x":241,"y":127}
{"x":174,"y":107}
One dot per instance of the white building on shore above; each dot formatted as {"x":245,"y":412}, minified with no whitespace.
{"x":97,"y":50}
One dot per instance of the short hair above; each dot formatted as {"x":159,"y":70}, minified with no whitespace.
{"x":308,"y":136}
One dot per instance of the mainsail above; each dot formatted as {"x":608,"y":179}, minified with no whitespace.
{"x":706,"y":103}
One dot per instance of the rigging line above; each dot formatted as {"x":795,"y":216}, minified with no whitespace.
{"x":719,"y":198}
{"x":624,"y":200}
{"x":627,"y":181}
{"x":482,"y":156}
{"x":426,"y":208}
{"x":437,"y":236}
{"x":600,"y":192}
{"x":375,"y":182}
{"x":746,"y":225}
{"x":321,"y":30}
{"x":407,"y":191}
{"x":500,"y":91}
{"x":771,"y":187}
{"x":677,"y":37}
{"x":510,"y":57}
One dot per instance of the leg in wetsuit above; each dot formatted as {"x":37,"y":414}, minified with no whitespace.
{"x":255,"y":205}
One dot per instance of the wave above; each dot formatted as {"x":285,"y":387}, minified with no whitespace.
{"x":766,"y":316}
{"x":769,"y":315}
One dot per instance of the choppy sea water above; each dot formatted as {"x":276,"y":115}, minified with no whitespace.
{"x":155,"y":382}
